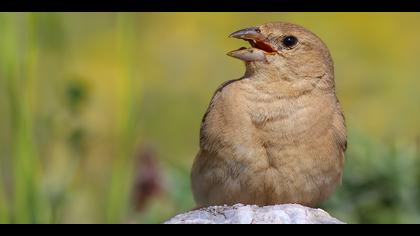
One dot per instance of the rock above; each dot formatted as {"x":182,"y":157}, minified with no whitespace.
{"x":251,"y":214}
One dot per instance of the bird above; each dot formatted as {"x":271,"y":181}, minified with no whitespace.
{"x":277,"y":135}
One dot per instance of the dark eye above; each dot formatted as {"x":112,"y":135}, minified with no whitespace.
{"x":289,"y":41}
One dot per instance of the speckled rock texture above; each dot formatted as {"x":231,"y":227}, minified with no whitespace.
{"x":251,"y":214}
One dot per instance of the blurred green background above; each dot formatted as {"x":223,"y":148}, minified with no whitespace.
{"x":100,"y":112}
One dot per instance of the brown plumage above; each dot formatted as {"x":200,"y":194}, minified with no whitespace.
{"x":276,"y":135}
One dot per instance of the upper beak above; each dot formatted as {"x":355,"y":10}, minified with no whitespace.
{"x":251,"y":33}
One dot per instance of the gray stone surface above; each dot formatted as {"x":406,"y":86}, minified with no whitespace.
{"x":247,"y":214}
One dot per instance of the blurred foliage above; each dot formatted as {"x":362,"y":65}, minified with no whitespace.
{"x":81,"y":95}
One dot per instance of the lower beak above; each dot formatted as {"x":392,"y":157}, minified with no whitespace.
{"x":248,"y":54}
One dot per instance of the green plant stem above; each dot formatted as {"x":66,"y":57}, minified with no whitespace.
{"x":27,"y":207}
{"x":118,"y":197}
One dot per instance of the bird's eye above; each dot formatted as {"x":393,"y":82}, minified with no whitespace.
{"x":289,"y":41}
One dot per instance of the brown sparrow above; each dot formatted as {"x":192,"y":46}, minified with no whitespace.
{"x":277,"y":135}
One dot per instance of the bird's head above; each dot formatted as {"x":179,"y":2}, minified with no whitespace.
{"x":286,"y":50}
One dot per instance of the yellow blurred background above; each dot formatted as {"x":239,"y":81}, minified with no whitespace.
{"x":101,"y":111}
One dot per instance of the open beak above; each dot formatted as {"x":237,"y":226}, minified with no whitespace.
{"x":259,"y":42}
